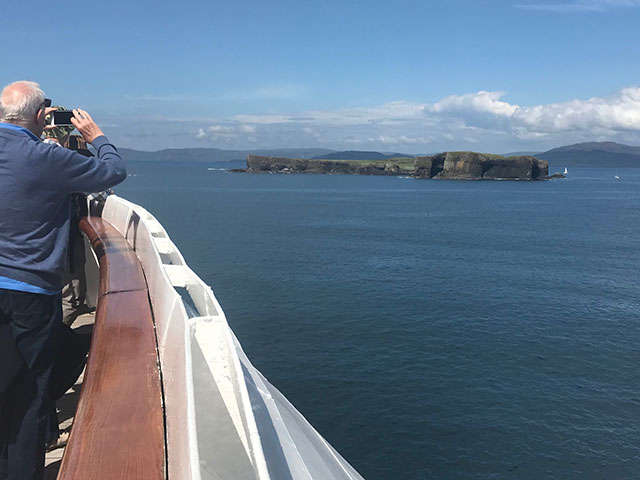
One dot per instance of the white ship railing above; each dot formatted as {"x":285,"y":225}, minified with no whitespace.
{"x":224,"y":420}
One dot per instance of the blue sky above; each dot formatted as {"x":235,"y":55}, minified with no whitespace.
{"x":408,"y":76}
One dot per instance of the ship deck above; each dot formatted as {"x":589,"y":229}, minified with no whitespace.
{"x":67,"y":404}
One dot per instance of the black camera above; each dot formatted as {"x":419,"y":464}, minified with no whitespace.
{"x":61,"y":118}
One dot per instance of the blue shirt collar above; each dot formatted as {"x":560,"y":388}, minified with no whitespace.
{"x":18,"y":128}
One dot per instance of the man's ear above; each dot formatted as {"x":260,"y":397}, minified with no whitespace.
{"x":40,"y":117}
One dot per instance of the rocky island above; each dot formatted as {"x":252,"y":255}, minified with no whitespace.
{"x":447,"y":165}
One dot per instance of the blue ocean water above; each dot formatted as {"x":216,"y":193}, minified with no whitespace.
{"x":430,"y":329}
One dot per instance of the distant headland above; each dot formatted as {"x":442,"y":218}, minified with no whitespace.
{"x":447,"y":165}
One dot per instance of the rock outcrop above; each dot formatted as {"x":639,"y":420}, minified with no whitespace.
{"x":447,"y":165}
{"x":471,"y":165}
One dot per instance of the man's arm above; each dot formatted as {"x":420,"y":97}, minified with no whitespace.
{"x":78,"y":173}
{"x":91,"y":174}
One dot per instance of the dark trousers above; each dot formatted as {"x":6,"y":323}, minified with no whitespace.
{"x":26,"y":406}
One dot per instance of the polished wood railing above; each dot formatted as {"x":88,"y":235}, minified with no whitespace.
{"x":118,"y":430}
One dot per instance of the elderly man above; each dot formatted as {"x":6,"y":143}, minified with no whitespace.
{"x":36,"y":180}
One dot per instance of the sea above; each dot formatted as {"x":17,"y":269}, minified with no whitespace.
{"x":429,"y":329}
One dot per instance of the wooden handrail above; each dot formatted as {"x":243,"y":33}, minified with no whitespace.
{"x":118,"y":429}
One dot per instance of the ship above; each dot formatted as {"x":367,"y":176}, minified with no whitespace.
{"x":168,"y":392}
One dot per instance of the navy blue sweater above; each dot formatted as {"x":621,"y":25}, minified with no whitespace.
{"x":36,"y":180}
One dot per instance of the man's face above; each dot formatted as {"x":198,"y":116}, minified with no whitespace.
{"x":40,"y":120}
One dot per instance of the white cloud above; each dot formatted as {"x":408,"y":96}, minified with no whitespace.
{"x":483,"y":102}
{"x":392,"y":112}
{"x":220,"y":129}
{"x":262,"y":119}
{"x":351,"y":140}
{"x":226,"y":131}
{"x":618,"y":112}
{"x":483,"y":120}
{"x":486,"y":110}
{"x":400,"y":140}
{"x":581,"y":5}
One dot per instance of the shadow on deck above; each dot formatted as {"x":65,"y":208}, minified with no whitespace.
{"x":83,"y":326}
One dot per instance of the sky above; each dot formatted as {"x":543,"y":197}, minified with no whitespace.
{"x":395,"y":76}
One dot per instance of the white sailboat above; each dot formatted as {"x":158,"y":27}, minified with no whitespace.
{"x":566,"y":172}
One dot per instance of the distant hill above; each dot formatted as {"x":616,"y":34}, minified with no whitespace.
{"x":358,"y":155}
{"x":216,"y":155}
{"x":520,"y":154}
{"x":593,"y":154}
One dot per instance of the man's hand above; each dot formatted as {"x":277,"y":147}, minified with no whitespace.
{"x":47,"y":111}
{"x":85,"y":125}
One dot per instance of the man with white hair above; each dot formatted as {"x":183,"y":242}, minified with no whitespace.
{"x":36,"y":181}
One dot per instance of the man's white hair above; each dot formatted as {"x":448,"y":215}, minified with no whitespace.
{"x":20,"y":101}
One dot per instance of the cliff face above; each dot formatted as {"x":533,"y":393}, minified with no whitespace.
{"x":471,"y":165}
{"x":451,"y":165}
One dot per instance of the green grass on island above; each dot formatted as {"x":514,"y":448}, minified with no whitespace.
{"x":406,"y":164}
